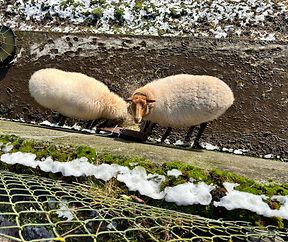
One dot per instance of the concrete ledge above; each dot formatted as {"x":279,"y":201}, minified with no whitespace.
{"x":250,"y":167}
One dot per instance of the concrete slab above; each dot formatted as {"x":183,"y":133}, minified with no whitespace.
{"x":251,"y":167}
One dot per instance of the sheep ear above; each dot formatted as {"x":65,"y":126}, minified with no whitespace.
{"x":151,"y":101}
{"x":129,"y":99}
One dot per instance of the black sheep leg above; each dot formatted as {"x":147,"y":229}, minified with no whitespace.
{"x":102,"y":123}
{"x":145,"y":126}
{"x":90,"y":124}
{"x":146,"y":129}
{"x":166,"y":134}
{"x":188,"y":136}
{"x":196,"y":144}
{"x":150,"y":128}
{"x":61,"y":120}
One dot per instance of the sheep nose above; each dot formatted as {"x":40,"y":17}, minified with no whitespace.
{"x":137,"y":120}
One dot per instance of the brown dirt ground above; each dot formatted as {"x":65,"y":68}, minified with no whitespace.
{"x":257,"y":72}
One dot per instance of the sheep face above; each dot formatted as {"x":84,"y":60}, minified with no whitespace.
{"x":140,"y":106}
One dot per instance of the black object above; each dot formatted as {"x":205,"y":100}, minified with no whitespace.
{"x":7,"y":45}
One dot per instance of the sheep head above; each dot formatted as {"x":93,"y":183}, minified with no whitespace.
{"x":140,"y":106}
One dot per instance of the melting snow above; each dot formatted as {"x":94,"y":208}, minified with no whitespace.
{"x":179,"y":142}
{"x":8,"y":147}
{"x":174,"y":172}
{"x":240,"y":151}
{"x":199,"y":18}
{"x":64,"y":211}
{"x":243,"y":200}
{"x":208,"y":146}
{"x":189,"y":194}
{"x":268,"y":156}
{"x":137,"y":179}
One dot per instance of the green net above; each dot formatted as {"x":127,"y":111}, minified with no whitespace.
{"x":40,"y":209}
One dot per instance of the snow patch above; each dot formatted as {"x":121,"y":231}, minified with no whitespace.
{"x":268,"y":156}
{"x":8,"y":147}
{"x":64,"y":212}
{"x":195,"y":18}
{"x":149,"y":185}
{"x":174,"y":172}
{"x":189,"y":194}
{"x":208,"y":146}
{"x":240,"y":151}
{"x":179,"y":142}
{"x":242,"y":200}
{"x":138,"y":180}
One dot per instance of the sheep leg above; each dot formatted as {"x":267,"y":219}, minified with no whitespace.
{"x":166,"y":134}
{"x":90,"y":124}
{"x":188,"y":136}
{"x":61,"y":120}
{"x":102,"y":123}
{"x":150,"y":128}
{"x":145,"y":126}
{"x":196,"y":144}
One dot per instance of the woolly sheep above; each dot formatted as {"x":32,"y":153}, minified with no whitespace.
{"x":181,"y":101}
{"x":76,"y":95}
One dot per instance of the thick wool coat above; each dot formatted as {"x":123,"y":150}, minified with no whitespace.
{"x":186,"y":100}
{"x":75,"y":95}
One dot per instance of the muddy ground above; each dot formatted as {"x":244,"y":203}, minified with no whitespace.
{"x":257,"y":72}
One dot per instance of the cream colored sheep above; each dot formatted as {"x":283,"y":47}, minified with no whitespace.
{"x":76,"y":95}
{"x":181,"y":101}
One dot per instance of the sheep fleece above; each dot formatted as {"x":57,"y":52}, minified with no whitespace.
{"x":75,"y":95}
{"x":185,"y":100}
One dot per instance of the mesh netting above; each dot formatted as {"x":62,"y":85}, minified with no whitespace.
{"x":7,"y":45}
{"x":40,"y":209}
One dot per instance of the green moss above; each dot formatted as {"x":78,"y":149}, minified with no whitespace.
{"x":138,"y":5}
{"x":93,"y":2}
{"x":64,"y":153}
{"x":118,"y":14}
{"x":85,"y":151}
{"x":68,"y":152}
{"x":27,"y":147}
{"x":128,"y":161}
{"x":174,"y":13}
{"x":74,"y":3}
{"x":97,"y":12}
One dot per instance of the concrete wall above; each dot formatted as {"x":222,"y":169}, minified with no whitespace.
{"x":256,"y":71}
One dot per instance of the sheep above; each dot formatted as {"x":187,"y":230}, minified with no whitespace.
{"x":181,"y":101}
{"x":76,"y":95}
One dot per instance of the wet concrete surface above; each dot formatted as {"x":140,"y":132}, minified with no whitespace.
{"x":257,"y":72}
{"x":250,"y":167}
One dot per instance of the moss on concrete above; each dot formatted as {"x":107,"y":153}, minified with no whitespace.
{"x":65,"y":153}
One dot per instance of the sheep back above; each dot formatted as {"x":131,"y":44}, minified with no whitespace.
{"x":185,"y":100}
{"x":75,"y":95}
